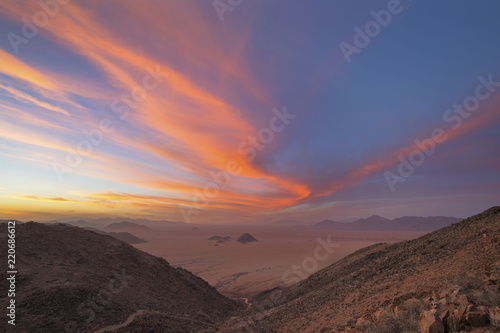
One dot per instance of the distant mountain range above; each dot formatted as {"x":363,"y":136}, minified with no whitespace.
{"x":405,"y":223}
{"x":126,"y":225}
{"x":100,"y":222}
{"x":123,"y":236}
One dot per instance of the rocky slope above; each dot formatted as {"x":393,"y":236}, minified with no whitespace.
{"x":462,"y":259}
{"x":73,"y":280}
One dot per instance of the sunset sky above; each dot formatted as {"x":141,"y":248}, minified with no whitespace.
{"x":248,"y":113}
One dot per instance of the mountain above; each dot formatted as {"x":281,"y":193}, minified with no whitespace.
{"x":99,"y":222}
{"x":246,"y":238}
{"x":93,"y":229}
{"x":71,"y":279}
{"x":81,"y":224}
{"x":126,"y":237}
{"x":123,"y":236}
{"x":405,"y":223}
{"x":447,"y":280}
{"x":331,"y":225}
{"x":127,"y":226}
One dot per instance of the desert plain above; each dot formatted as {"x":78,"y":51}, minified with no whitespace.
{"x":281,"y":256}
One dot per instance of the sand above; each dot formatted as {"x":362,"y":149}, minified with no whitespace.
{"x":244,"y":270}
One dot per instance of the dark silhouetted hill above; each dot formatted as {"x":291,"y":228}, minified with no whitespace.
{"x":123,"y":236}
{"x":246,"y":238}
{"x":75,"y":280}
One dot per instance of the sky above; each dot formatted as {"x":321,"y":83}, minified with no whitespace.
{"x":239,"y":111}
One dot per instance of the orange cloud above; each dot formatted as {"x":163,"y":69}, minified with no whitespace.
{"x":485,"y":116}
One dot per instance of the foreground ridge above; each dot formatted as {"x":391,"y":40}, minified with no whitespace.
{"x":75,"y":280}
{"x":447,"y":279}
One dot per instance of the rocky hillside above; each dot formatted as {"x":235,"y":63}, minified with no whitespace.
{"x":445,"y":281}
{"x":74,"y":280}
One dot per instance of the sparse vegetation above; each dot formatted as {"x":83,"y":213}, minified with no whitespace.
{"x":447,"y":280}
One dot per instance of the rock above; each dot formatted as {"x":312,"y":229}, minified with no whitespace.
{"x":431,"y":323}
{"x":476,"y":318}
{"x":428,"y":300}
{"x":399,"y":311}
{"x":443,"y":317}
{"x":462,"y":300}
{"x":362,"y":322}
{"x":453,"y":297}
{"x":376,"y":315}
{"x":470,"y":308}
{"x":452,"y":323}
{"x":460,"y":314}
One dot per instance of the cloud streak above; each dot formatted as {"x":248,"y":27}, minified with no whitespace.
{"x":210,"y":95}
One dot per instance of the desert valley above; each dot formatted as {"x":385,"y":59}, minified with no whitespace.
{"x":295,"y":279}
{"x":244,"y":270}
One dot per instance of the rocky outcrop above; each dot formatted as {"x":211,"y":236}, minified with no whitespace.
{"x":456,"y":309}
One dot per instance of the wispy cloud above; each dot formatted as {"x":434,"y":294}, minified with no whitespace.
{"x":216,"y":86}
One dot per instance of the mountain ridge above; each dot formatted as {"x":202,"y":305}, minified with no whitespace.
{"x":92,"y":281}
{"x":404,"y":223}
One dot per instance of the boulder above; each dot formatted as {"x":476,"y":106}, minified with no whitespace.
{"x":462,"y":300}
{"x":494,"y":315}
{"x":431,"y":323}
{"x":452,"y":322}
{"x":453,"y":297}
{"x":476,"y":318}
